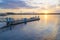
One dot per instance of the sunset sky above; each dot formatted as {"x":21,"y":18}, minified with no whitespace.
{"x":8,"y":5}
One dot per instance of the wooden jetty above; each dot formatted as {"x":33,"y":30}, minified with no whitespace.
{"x":24,"y":20}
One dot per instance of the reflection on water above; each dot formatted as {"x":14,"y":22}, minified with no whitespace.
{"x":45,"y":29}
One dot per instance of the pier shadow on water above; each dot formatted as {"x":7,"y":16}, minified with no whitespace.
{"x":11,"y":27}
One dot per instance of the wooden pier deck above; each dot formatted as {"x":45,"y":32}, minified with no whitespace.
{"x":25,"y":21}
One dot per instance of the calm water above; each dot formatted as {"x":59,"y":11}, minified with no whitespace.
{"x":48,"y":28}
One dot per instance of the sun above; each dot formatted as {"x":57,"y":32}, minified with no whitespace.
{"x":46,"y":11}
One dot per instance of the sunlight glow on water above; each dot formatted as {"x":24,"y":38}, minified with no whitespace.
{"x":46,"y":28}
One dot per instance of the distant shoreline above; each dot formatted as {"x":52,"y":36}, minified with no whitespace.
{"x":2,"y":14}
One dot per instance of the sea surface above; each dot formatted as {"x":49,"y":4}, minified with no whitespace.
{"x":47,"y":28}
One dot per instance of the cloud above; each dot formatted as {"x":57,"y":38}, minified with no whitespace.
{"x":14,"y":4}
{"x":26,"y":3}
{"x":39,"y":3}
{"x":1,"y":1}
